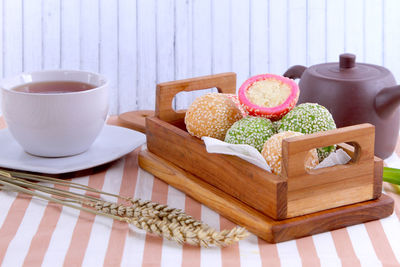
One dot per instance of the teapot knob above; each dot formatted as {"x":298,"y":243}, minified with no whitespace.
{"x":347,"y":61}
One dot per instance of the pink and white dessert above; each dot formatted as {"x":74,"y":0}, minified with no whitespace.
{"x":269,"y":96}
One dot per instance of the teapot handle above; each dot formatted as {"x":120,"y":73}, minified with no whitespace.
{"x":295,"y":72}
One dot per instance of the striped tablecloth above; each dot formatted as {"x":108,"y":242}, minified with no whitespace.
{"x":34,"y":232}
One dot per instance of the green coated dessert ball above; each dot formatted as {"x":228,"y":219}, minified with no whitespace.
{"x":253,"y":131}
{"x":309,"y":118}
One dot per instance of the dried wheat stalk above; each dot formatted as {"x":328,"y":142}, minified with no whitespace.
{"x":172,"y":223}
{"x":154,"y":218}
{"x":141,"y":208}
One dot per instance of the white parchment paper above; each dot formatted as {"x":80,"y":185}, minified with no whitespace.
{"x":250,"y":154}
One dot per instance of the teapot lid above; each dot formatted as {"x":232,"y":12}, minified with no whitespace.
{"x":347,"y":69}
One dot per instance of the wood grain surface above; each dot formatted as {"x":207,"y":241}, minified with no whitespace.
{"x":183,"y":39}
{"x":242,"y":180}
{"x":278,"y":197}
{"x":263,"y":226}
{"x":135,"y":120}
{"x":224,"y":82}
{"x":315,"y":190}
{"x":297,"y":192}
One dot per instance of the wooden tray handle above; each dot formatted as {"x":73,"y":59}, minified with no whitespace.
{"x":294,"y":150}
{"x":224,"y":82}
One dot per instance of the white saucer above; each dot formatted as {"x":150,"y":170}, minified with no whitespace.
{"x":112,"y":143}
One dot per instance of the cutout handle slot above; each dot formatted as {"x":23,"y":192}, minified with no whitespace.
{"x":224,"y":82}
{"x":294,"y":150}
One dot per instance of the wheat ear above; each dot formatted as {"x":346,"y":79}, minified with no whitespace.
{"x":171,"y":223}
{"x":154,"y":218}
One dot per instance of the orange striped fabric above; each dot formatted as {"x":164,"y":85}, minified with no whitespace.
{"x":230,"y":255}
{"x":268,"y":254}
{"x":124,"y":245}
{"x":153,"y":245}
{"x":81,"y":234}
{"x":119,"y":230}
{"x":41,"y":240}
{"x":190,"y":254}
{"x":12,"y":222}
{"x":344,"y":248}
{"x":307,"y":252}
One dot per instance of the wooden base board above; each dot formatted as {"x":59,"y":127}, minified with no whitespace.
{"x":135,"y":120}
{"x":272,"y":231}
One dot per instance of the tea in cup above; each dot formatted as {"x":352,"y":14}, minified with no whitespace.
{"x":55,"y":113}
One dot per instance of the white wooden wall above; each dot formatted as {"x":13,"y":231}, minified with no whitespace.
{"x":138,"y":43}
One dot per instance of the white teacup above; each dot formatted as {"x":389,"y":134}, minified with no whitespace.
{"x":55,"y":124}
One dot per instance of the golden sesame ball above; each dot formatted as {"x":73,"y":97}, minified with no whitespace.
{"x":211,"y":115}
{"x":272,"y":152}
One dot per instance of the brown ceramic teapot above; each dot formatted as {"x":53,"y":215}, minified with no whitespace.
{"x":354,"y":93}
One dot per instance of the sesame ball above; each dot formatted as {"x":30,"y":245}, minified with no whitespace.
{"x":211,"y":115}
{"x":253,"y":131}
{"x":309,"y":118}
{"x":272,"y":152}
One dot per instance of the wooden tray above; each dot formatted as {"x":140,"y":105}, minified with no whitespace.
{"x":135,"y":120}
{"x":276,"y":208}
{"x":271,"y":230}
{"x":298,"y":191}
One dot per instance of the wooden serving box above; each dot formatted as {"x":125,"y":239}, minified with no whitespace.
{"x":235,"y":187}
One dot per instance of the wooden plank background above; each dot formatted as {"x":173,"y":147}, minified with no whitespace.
{"x":138,"y":43}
